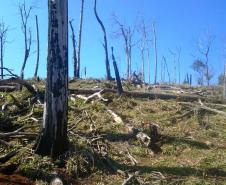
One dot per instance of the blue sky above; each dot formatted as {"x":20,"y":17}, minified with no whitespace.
{"x":179,"y":23}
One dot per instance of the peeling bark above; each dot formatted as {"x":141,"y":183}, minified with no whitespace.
{"x":53,"y":139}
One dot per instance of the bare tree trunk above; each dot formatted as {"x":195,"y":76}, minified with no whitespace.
{"x":142,"y":65}
{"x":105,"y":45}
{"x":224,"y":82}
{"x":38,"y":47}
{"x":149,"y":68}
{"x":207,"y":68}
{"x":74,"y":49}
{"x":117,"y":76}
{"x":178,"y":61}
{"x":53,"y":139}
{"x":156,"y":54}
{"x":164,"y":58}
{"x":2,"y":75}
{"x":80,"y":40}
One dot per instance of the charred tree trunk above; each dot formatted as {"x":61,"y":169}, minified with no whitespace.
{"x":53,"y":139}
{"x":117,"y":76}
{"x":80,"y":40}
{"x":37,"y":61}
{"x":74,"y":49}
{"x":105,"y":45}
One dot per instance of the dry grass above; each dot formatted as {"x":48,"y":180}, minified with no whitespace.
{"x":193,"y":147}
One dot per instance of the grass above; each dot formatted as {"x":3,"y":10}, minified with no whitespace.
{"x":193,"y":147}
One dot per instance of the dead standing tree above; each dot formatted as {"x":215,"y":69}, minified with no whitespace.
{"x":105,"y":44}
{"x":143,"y":30}
{"x":38,"y":47}
{"x":204,"y":49}
{"x":179,"y":64}
{"x":156,"y":52}
{"x":24,"y":15}
{"x":117,"y":76}
{"x":80,"y":40}
{"x":53,"y":139}
{"x":3,"y":35}
{"x":174,"y":65}
{"x":127,"y":33}
{"x":74,"y":49}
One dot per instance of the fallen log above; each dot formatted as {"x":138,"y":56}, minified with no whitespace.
{"x":146,"y":95}
{"x":7,"y":88}
{"x":204,"y":107}
{"x":8,"y":156}
{"x":15,"y":80}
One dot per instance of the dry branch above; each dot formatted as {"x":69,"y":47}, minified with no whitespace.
{"x":204,"y":107}
{"x":89,"y":98}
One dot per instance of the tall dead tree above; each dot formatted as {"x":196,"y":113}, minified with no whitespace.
{"x":105,"y":44}
{"x":149,"y":67}
{"x":53,"y":139}
{"x":3,"y":35}
{"x":224,"y":82}
{"x":174,"y":65}
{"x":25,"y":15}
{"x":204,"y":49}
{"x":143,"y":46}
{"x":38,"y":47}
{"x":117,"y":76}
{"x":80,"y":40}
{"x":167,"y":69}
{"x":156,"y":53}
{"x":74,"y":49}
{"x":179,"y":64}
{"x":127,"y":33}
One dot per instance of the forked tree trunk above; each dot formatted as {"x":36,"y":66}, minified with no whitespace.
{"x":53,"y":139}
{"x":105,"y":45}
{"x":37,"y":60}
{"x":117,"y":76}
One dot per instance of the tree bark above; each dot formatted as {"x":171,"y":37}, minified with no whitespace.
{"x":105,"y":45}
{"x":80,"y":40}
{"x":53,"y":139}
{"x":37,"y":61}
